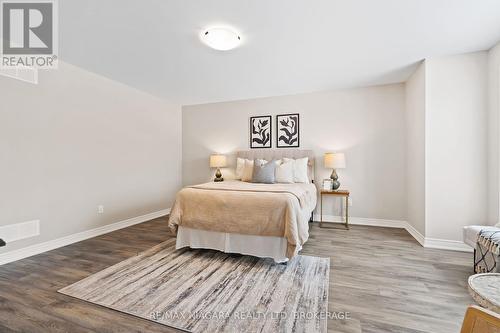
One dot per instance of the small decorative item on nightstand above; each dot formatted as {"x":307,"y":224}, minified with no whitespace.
{"x":327,"y":184}
{"x":335,"y":161}
{"x":218,"y":161}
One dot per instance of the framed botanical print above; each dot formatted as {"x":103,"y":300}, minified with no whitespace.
{"x":260,"y":132}
{"x":287,"y":130}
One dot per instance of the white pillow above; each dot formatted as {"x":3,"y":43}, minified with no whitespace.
{"x":299,"y":169}
{"x":246,"y":176}
{"x":247,"y":173}
{"x":284,"y":173}
{"x":240,"y":166}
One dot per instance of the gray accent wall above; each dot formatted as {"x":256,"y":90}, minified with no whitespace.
{"x":368,"y":124}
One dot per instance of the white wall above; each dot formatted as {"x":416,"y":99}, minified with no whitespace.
{"x":368,"y":124}
{"x":493,"y":136}
{"x":78,"y":140}
{"x":415,"y":127}
{"x":456,"y":144}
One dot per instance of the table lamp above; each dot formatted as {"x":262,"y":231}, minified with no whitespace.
{"x":218,"y":161}
{"x":335,"y":161}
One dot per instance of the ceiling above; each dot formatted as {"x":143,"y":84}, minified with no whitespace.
{"x":289,"y":46}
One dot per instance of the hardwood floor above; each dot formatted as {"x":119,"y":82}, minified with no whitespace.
{"x":381,"y":276}
{"x":389,"y":283}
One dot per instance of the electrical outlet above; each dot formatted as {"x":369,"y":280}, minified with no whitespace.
{"x":100,"y":209}
{"x":350,"y":202}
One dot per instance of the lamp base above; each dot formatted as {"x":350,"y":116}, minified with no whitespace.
{"x":336,"y":183}
{"x":218,"y":176}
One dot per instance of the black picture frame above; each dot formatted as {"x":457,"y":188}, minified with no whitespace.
{"x":288,"y":136}
{"x":259,"y":126}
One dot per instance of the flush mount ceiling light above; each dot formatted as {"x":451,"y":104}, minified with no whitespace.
{"x":221,"y":39}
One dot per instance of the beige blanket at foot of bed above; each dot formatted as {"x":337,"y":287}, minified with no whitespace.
{"x":281,"y":210}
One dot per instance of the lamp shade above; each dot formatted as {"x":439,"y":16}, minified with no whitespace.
{"x":334,"y":160}
{"x":217,"y":161}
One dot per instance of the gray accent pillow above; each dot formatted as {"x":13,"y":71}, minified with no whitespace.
{"x":263,"y":173}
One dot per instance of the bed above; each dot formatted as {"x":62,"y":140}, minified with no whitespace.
{"x":262,"y":220}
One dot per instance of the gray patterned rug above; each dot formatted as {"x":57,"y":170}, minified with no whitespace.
{"x":210,"y":291}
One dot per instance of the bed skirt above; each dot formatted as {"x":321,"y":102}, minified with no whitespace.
{"x":257,"y":246}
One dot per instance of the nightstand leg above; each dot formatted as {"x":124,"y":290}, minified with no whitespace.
{"x":321,"y":211}
{"x":347,"y":212}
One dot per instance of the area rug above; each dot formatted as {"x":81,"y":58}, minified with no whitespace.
{"x":211,"y":291}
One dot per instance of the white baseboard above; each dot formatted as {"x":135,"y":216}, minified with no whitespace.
{"x":415,"y":234}
{"x":363,"y":221}
{"x":434,"y":243}
{"x":446,"y":244}
{"x":78,"y":237}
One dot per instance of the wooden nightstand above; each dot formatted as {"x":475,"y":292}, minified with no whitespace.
{"x":338,"y":193}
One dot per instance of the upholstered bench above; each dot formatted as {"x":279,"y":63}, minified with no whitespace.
{"x":485,"y":241}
